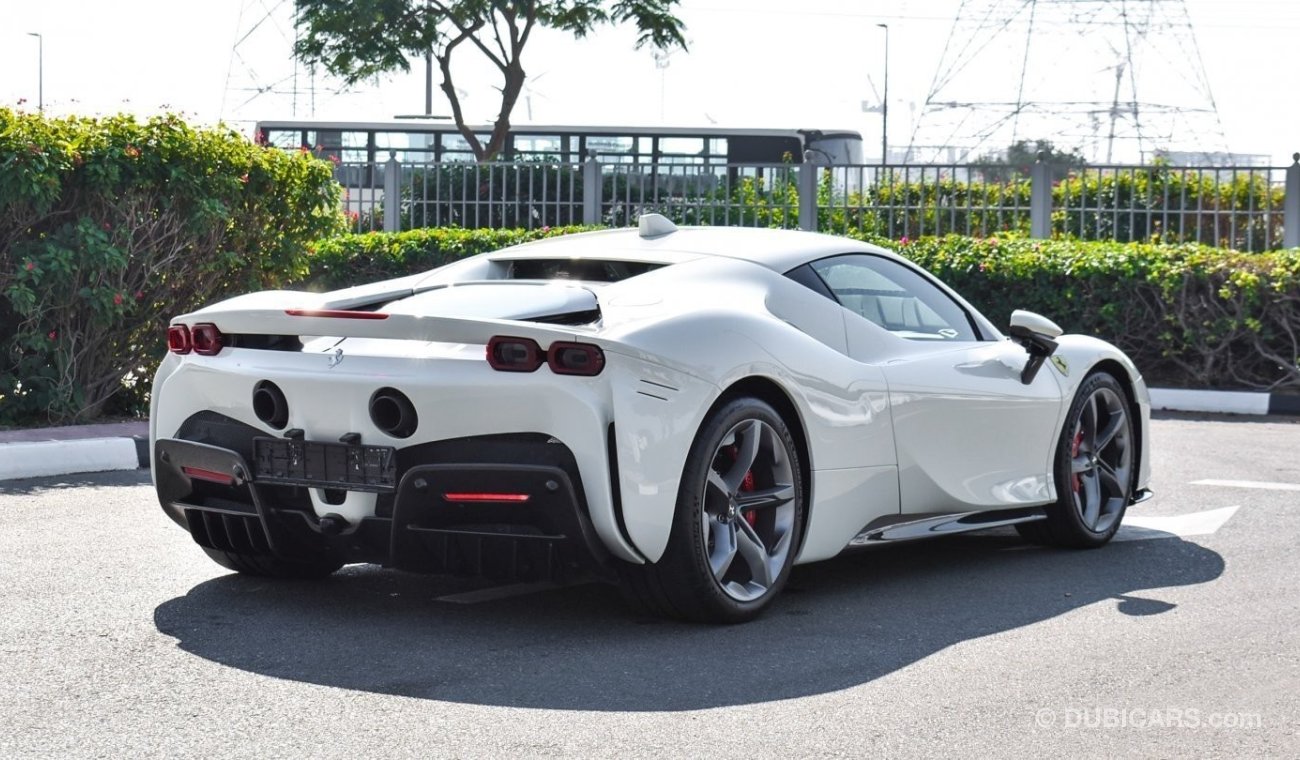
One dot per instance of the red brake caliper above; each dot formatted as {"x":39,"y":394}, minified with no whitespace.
{"x":747,"y":484}
{"x":1074,"y":452}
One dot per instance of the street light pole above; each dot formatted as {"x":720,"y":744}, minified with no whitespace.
{"x":40,"y":70}
{"x":884,"y":105}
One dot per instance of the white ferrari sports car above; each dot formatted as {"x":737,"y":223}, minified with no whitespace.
{"x":689,"y":412}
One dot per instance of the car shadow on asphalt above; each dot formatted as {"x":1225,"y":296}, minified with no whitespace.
{"x":116,"y":479}
{"x":838,"y":624}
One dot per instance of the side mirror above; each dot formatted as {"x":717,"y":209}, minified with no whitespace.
{"x":1036,"y":333}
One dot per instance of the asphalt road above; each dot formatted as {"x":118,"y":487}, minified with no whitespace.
{"x":118,"y":638}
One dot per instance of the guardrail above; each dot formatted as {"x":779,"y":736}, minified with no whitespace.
{"x":1247,"y":208}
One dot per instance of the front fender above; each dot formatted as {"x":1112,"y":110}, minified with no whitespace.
{"x":1082,"y":355}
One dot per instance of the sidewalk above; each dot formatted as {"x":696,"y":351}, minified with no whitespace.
{"x":75,"y":449}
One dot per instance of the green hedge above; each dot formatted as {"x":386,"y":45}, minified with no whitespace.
{"x":108,"y":226}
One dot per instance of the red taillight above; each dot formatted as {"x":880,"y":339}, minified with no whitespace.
{"x":500,"y":498}
{"x":514,"y":354}
{"x":335,"y":313}
{"x":198,"y":473}
{"x":206,"y":339}
{"x":566,"y":358}
{"x":178,"y":339}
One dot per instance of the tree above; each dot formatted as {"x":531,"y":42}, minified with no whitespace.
{"x":1016,"y":162}
{"x":357,"y":39}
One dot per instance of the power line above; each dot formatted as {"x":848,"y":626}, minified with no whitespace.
{"x":1117,"y":80}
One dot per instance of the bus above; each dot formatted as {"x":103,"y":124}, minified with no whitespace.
{"x":418,"y":141}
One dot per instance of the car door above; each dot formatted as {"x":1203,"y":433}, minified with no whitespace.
{"x":969,"y":434}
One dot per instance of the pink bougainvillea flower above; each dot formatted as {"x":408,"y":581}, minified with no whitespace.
{"x":108,"y":227}
{"x":546,"y":228}
{"x":30,"y":266}
{"x":139,"y":294}
{"x":117,"y":299}
{"x":53,"y":334}
{"x":132,"y":151}
{"x":904,"y":240}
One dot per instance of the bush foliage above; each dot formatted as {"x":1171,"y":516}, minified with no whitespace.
{"x":109,"y":226}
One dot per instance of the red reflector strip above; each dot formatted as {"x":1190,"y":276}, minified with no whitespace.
{"x":335,"y":314}
{"x":515,"y":498}
{"x":199,"y":473}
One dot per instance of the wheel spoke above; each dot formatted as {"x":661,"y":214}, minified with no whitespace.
{"x":1089,"y":421}
{"x":1091,"y":500}
{"x":719,"y":487}
{"x":724,"y":546}
{"x":746,"y":453}
{"x":1110,"y":482}
{"x":782,"y":493}
{"x":1104,"y":438}
{"x":1080,"y":464}
{"x":754,"y":553}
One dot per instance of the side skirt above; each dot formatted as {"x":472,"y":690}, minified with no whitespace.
{"x":909,"y":527}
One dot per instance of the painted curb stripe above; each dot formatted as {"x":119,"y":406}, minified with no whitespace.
{"x":1280,"y":404}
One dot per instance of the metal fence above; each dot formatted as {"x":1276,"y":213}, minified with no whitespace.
{"x":1247,"y":208}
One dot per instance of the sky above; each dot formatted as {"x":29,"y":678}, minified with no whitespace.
{"x":751,"y":63}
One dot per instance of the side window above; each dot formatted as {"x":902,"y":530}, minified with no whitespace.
{"x":895,"y":297}
{"x":805,"y":276}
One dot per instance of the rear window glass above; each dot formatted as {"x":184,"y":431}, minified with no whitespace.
{"x":590,"y":270}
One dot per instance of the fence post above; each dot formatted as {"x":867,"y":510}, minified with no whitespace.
{"x":591,"y":190}
{"x":807,"y":179}
{"x":1040,"y":199}
{"x":392,"y":194}
{"x":1291,"y":205}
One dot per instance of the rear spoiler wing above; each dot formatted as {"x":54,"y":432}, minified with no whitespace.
{"x":308,"y":314}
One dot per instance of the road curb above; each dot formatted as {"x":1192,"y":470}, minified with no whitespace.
{"x":1223,"y":402}
{"x":36,"y":459}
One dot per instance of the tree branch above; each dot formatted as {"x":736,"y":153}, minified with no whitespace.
{"x":468,"y":33}
{"x":449,"y":89}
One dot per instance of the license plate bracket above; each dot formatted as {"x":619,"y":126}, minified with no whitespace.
{"x":324,"y":464}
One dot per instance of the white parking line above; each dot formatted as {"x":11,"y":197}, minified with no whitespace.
{"x":1144,"y":527}
{"x":499,"y":592}
{"x":1249,"y":484}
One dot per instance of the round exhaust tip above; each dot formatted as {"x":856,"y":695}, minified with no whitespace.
{"x":393,"y":413}
{"x":270,"y":405}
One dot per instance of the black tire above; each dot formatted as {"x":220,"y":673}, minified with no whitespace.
{"x":747,"y":520}
{"x":273,"y":567}
{"x":1096,"y":458}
